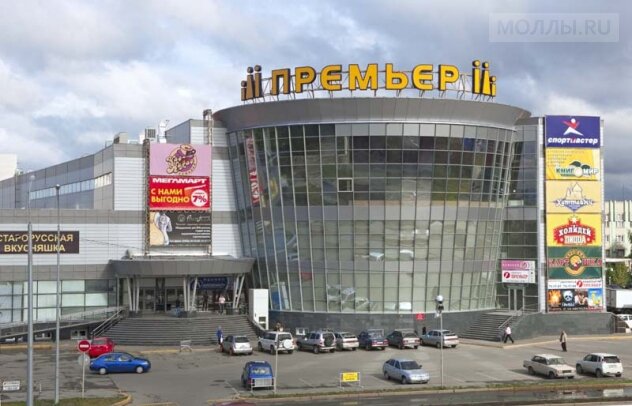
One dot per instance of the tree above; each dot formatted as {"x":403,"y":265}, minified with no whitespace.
{"x":619,"y":275}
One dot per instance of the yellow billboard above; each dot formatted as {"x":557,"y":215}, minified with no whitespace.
{"x":573,"y":230}
{"x":573,"y":164}
{"x":573,"y":197}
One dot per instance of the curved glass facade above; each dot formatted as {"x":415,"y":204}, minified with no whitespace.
{"x":373,"y":217}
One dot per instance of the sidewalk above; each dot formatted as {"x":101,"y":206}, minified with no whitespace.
{"x":542,"y":340}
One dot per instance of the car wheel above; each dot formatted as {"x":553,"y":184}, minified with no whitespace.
{"x":272,"y":349}
{"x":333,"y":350}
{"x":415,"y":347}
{"x":103,"y":371}
{"x":232,"y":352}
{"x":598,"y":373}
{"x":383,"y":348}
{"x":139,"y":370}
{"x":531,"y":371}
{"x":438,"y":345}
{"x":353,"y":349}
{"x":386,"y":376}
{"x":404,"y":381}
{"x":579,"y":369}
{"x":454,"y":346}
{"x":618,"y":375}
{"x":316,"y":349}
{"x":551,"y":375}
{"x":400,"y":346}
{"x":367,"y":347}
{"x":290,"y":351}
{"x":260,"y":347}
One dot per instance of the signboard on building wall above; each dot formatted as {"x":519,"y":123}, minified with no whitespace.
{"x":517,"y":271}
{"x":179,"y":193}
{"x":575,"y":294}
{"x":179,"y":160}
{"x":574,"y":262}
{"x":573,"y":164}
{"x":572,"y":131}
{"x":573,"y":197}
{"x":564,"y":230}
{"x":44,"y":242}
{"x":178,"y":228}
{"x":251,"y":161}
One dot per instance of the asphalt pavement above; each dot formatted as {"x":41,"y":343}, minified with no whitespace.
{"x":206,"y":376}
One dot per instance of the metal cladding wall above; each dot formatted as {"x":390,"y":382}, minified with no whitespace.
{"x":358,"y":205}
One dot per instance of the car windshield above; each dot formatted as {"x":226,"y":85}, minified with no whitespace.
{"x":261,"y":370}
{"x":241,"y":339}
{"x":99,"y":342}
{"x":448,"y":333}
{"x":408,"y":365}
{"x":556,"y":361}
{"x":611,"y":360}
{"x":283,"y":337}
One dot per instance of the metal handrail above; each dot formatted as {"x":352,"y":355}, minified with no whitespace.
{"x":109,"y":322}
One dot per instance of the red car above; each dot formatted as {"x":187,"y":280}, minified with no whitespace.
{"x":100,"y":345}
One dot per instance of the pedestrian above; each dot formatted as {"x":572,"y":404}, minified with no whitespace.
{"x":563,"y":339}
{"x":220,"y":336}
{"x":222,"y":303}
{"x":277,"y":326}
{"x":423,"y":331}
{"x":205,"y":301}
{"x":508,"y":334}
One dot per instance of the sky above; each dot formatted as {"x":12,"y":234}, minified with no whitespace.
{"x":75,"y":73}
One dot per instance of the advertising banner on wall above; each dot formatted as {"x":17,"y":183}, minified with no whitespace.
{"x":573,"y":196}
{"x":573,"y":164}
{"x":574,"y":299}
{"x":178,"y":228}
{"x":255,"y":192}
{"x":44,"y":242}
{"x":574,"y":262}
{"x":517,"y":271}
{"x":563,"y":230}
{"x":179,"y":160}
{"x":179,"y":193}
{"x":572,"y":131}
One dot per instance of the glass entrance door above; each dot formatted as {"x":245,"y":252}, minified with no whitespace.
{"x":516,"y":298}
{"x":147,"y":299}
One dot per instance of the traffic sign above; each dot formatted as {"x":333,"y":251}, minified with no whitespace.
{"x":83,"y":359}
{"x":83,"y":345}
{"x":420,"y":316}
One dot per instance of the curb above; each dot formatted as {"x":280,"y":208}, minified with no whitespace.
{"x":128,"y":399}
{"x":10,"y":347}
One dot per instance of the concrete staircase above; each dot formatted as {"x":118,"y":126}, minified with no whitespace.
{"x":164,"y":330}
{"x":487,"y":327}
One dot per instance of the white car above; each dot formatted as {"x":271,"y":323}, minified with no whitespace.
{"x":346,"y":341}
{"x":551,"y":366}
{"x":600,"y":364}
{"x":276,"y":341}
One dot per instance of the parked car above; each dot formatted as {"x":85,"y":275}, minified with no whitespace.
{"x":100,"y":346}
{"x":318,"y":341}
{"x":346,"y":341}
{"x":373,"y":338}
{"x":276,"y":341}
{"x":403,"y":339}
{"x":257,"y":374}
{"x":405,"y":371}
{"x":600,"y":364}
{"x":234,"y":345}
{"x":119,"y":362}
{"x":551,"y":366}
{"x":436,"y":337}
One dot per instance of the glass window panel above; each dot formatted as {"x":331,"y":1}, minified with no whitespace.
{"x":71,"y":286}
{"x":378,"y":142}
{"x":394,"y":142}
{"x":72,"y":299}
{"x":46,"y":300}
{"x":46,"y":287}
{"x":393,"y":129}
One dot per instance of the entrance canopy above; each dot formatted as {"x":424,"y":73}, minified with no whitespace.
{"x":180,"y":266}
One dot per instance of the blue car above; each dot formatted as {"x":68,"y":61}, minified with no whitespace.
{"x":119,"y":362}
{"x":257,"y":374}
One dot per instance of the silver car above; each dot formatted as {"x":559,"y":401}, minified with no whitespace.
{"x":435,"y":338}
{"x":346,"y":341}
{"x":405,"y":371}
{"x":236,"y":345}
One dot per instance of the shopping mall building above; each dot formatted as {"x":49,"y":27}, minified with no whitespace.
{"x":345,"y":193}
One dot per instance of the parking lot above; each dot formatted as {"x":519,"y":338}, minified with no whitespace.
{"x":194,"y":378}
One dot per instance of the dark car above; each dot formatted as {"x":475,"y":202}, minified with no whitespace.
{"x":403,"y":339}
{"x":119,"y":362}
{"x":257,"y":374}
{"x":100,"y":346}
{"x":374,"y":338}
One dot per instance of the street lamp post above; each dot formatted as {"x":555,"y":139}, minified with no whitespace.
{"x":29,"y":351}
{"x":58,"y":300}
{"x":439,"y":303}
